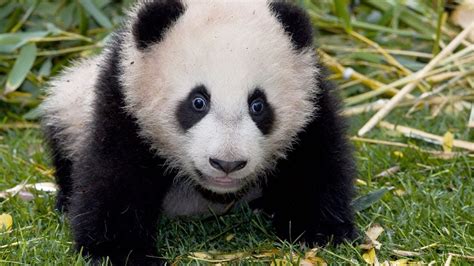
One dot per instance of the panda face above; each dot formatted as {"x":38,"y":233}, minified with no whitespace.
{"x":226,"y":135}
{"x":223,"y":94}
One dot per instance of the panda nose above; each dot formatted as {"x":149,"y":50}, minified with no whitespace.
{"x":227,"y":167}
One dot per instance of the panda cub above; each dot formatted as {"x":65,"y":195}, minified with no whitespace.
{"x":194,"y":105}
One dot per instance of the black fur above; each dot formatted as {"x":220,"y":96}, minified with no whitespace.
{"x":62,"y":165}
{"x":311,"y":192}
{"x":266,"y":119}
{"x":296,"y":23}
{"x":153,"y":19}
{"x":185,"y":113}
{"x":119,"y":184}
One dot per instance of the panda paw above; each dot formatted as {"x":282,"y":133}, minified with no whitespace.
{"x":331,"y":235}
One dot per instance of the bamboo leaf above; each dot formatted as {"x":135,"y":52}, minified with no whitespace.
{"x":366,"y":201}
{"x":342,"y":11}
{"x":22,"y":66}
{"x":98,"y":16}
{"x":9,"y":42}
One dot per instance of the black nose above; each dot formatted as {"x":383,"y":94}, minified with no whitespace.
{"x":227,"y":167}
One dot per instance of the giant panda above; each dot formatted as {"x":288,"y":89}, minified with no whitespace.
{"x":192,"y":105}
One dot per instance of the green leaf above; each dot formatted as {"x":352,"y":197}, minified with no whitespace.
{"x":9,"y":42}
{"x":33,"y":114}
{"x":45,"y":69}
{"x":96,"y":13}
{"x":342,"y":11}
{"x":22,"y":66}
{"x":364,"y":202}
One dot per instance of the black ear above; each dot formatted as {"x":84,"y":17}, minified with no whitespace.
{"x":296,"y":23}
{"x":153,"y":19}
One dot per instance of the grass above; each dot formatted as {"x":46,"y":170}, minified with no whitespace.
{"x":427,"y":209}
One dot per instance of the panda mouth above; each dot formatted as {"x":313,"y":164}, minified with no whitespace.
{"x":224,"y":182}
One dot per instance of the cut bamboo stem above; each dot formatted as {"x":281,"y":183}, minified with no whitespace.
{"x":409,"y":87}
{"x":354,"y":75}
{"x":428,"y":137}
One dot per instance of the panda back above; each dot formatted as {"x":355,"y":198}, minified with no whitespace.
{"x":67,"y":110}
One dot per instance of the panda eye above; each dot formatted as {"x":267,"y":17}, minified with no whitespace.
{"x":199,"y":104}
{"x":257,"y":106}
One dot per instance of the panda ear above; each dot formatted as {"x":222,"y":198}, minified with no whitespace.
{"x":296,"y":23}
{"x":153,"y":19}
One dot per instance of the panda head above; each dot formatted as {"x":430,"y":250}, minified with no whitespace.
{"x":220,"y":88}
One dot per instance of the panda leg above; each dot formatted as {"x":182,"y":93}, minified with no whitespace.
{"x":310,"y":199}
{"x":116,"y":202}
{"x":62,"y":173}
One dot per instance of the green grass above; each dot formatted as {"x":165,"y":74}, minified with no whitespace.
{"x":436,"y":208}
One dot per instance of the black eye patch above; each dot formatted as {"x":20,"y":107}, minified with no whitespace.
{"x":194,"y":108}
{"x":261,"y":111}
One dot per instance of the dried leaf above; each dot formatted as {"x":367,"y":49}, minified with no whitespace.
{"x":463,"y":15}
{"x":231,"y":256}
{"x":398,"y":154}
{"x":399,"y":192}
{"x":315,"y":261}
{"x":306,"y":262}
{"x":402,"y":262}
{"x":45,"y":186}
{"x":281,"y":262}
{"x":389,"y":172}
{"x":406,"y":253}
{"x":22,"y":190}
{"x":310,"y":258}
{"x":448,"y":140}
{"x":374,"y":231}
{"x":448,"y":261}
{"x":25,"y":195}
{"x":201,"y":255}
{"x":371,"y":237}
{"x":229,"y":237}
{"x":370,"y":257}
{"x":6,"y":222}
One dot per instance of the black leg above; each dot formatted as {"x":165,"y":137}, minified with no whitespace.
{"x":62,"y":167}
{"x":118,"y":190}
{"x":115,"y":214}
{"x":312,"y":191}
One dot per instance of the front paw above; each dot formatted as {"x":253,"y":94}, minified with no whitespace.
{"x":318,"y":235}
{"x":333,"y":234}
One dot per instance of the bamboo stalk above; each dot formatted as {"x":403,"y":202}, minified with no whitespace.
{"x":471,"y":117}
{"x":428,"y":137}
{"x":390,"y":59}
{"x":371,"y":50}
{"x":409,"y":87}
{"x":439,"y":154}
{"x":336,"y":67}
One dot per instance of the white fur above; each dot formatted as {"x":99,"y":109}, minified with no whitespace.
{"x":231,"y":47}
{"x":69,"y":104}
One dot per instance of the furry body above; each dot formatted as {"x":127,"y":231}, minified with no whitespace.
{"x":128,"y":147}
